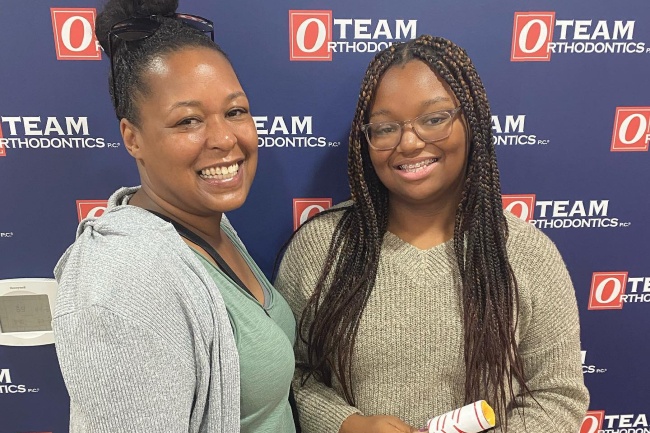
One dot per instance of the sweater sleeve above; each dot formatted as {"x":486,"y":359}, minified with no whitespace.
{"x":549,"y":340}
{"x":321,"y":408}
{"x":121,"y":375}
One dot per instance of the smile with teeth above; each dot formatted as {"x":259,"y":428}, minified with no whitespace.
{"x":220,"y":173}
{"x":412,"y":168}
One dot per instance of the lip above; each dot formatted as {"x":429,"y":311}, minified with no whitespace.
{"x":232,"y":183}
{"x":414,"y":161}
{"x":420,"y":174}
{"x":239,"y":162}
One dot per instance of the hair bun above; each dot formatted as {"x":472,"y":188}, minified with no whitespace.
{"x":118,"y":10}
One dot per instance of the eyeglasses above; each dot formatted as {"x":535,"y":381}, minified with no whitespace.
{"x":428,"y":127}
{"x":140,"y":28}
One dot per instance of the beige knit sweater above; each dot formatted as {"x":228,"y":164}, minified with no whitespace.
{"x":408,"y":360}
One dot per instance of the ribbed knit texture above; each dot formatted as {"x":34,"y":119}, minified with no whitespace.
{"x":142,"y":333}
{"x":408,"y":360}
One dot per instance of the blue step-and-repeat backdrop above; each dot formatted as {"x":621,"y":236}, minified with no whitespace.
{"x":569,"y":85}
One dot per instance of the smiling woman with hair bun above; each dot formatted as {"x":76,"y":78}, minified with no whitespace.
{"x":163,"y":321}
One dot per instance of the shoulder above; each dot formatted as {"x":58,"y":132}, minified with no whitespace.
{"x":542,"y":275}
{"x":313,"y":238}
{"x":128,"y":258}
{"x":323,"y":224}
{"x":526,"y":243}
{"x":306,"y":254}
{"x":129,"y":235}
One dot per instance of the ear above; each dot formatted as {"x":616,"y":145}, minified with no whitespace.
{"x":132,"y":138}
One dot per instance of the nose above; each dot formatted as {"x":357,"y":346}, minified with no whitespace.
{"x":220,"y":135}
{"x":409,"y":141}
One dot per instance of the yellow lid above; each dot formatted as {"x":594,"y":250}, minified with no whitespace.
{"x":488,"y":412}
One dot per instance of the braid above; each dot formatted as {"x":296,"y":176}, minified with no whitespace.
{"x":349,"y":271}
{"x":488,"y":287}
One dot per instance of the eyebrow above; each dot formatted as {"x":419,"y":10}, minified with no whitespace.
{"x":425,"y":104}
{"x":195,"y":103}
{"x":235,"y":95}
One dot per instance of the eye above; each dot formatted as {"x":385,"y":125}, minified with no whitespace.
{"x":189,"y":121}
{"x":434,"y":119}
{"x":383,"y":129}
{"x":237,"y":112}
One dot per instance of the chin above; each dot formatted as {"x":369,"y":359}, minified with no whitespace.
{"x":229,"y":204}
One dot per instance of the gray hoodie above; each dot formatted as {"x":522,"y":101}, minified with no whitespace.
{"x":142,"y":333}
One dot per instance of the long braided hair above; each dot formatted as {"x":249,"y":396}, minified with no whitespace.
{"x":488,"y":287}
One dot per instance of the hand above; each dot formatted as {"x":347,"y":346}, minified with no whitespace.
{"x":375,"y":424}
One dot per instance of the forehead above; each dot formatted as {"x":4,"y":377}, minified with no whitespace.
{"x":193,"y":70}
{"x":190,"y":60}
{"x":412,"y":83}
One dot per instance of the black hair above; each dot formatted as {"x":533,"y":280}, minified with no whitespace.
{"x":132,"y":58}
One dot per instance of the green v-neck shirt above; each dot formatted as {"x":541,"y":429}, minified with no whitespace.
{"x":265,"y":346}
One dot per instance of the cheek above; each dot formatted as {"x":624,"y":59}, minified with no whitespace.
{"x":458,"y":146}
{"x":463,"y":137}
{"x":251,"y":152}
{"x":380,"y":163}
{"x":379,"y":160}
{"x":186,"y":144}
{"x":247,"y":138}
{"x":155,"y":148}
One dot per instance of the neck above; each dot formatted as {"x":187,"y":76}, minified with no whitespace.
{"x":208,"y":227}
{"x":423,"y":225}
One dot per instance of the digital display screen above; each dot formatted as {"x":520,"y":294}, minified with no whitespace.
{"x":25,"y":313}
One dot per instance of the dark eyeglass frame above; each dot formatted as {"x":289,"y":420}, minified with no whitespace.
{"x":451,"y":112}
{"x":140,"y":28}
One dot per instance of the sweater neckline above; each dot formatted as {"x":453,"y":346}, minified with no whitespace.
{"x":439,"y":259}
{"x":392,"y":238}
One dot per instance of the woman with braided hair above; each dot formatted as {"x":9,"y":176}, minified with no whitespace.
{"x":421,"y":295}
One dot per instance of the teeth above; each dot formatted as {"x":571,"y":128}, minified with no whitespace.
{"x":412,"y":168}
{"x":221,"y":173}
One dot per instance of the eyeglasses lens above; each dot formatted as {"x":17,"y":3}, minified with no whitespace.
{"x":429,"y":127}
{"x":135,"y":29}
{"x":195,"y":22}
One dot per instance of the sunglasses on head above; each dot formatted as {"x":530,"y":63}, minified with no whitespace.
{"x":139,"y":28}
